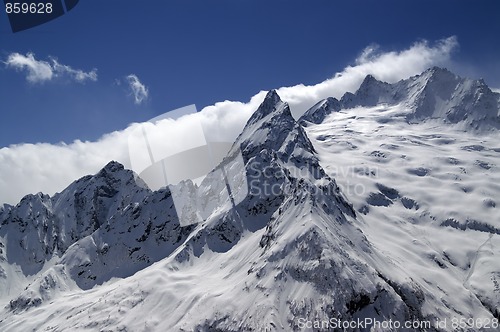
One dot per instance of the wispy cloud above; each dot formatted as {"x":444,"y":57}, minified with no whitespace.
{"x":139,"y":90}
{"x":38,"y":71}
{"x":222,"y":121}
{"x":77,"y":74}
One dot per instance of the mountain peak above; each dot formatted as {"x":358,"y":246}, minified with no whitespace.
{"x":370,"y":85}
{"x":113,"y":166}
{"x":371,"y":92}
{"x":437,"y":69}
{"x":271,"y":127}
{"x":320,"y":111}
{"x":369,"y":78}
{"x":272,"y":104}
{"x":439,"y":94}
{"x":113,"y":170}
{"x":435,"y":78}
{"x":438,"y":74}
{"x":272,"y":96}
{"x":271,"y":109}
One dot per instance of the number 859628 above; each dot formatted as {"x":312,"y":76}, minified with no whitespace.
{"x":28,"y":8}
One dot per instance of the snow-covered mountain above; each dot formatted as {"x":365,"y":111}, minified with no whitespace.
{"x":378,"y":206}
{"x":435,"y":95}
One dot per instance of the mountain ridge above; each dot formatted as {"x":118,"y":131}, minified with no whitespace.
{"x":435,"y":95}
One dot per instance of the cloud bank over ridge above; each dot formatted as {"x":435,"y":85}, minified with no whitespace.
{"x":31,"y":168}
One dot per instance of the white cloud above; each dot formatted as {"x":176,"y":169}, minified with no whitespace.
{"x":38,"y":71}
{"x":77,"y":74}
{"x":368,"y":54}
{"x":29,"y":168}
{"x":139,"y":90}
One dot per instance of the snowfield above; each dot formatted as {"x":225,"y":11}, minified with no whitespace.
{"x":426,"y":197}
{"x":380,"y":206}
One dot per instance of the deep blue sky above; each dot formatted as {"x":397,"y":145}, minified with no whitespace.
{"x":202,"y":52}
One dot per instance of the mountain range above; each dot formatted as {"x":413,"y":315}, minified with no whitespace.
{"x":380,"y":206}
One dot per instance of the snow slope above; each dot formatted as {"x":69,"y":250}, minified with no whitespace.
{"x":376,"y":206}
{"x":426,"y":197}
